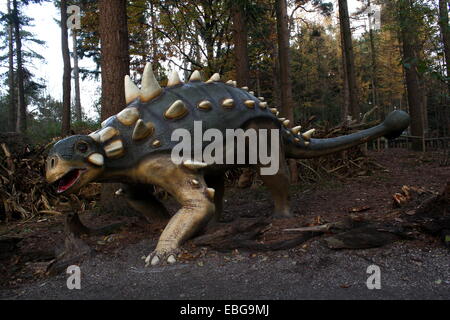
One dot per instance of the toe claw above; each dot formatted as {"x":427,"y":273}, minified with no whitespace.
{"x":155,"y":260}
{"x":172,"y":259}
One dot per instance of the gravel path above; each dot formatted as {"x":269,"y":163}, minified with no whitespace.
{"x":407,"y":272}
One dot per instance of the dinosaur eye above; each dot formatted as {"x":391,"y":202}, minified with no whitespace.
{"x":82,"y":147}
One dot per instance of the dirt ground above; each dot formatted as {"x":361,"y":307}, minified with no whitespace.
{"x":417,"y":268}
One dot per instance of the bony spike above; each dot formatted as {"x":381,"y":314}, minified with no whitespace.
{"x":308,"y":134}
{"x":132,"y":92}
{"x":150,"y":86}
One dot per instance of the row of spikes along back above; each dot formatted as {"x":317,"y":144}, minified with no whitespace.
{"x":150,"y":90}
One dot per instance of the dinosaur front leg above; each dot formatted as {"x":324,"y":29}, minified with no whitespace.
{"x":197,"y":209}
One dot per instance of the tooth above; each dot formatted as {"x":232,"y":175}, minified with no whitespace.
{"x":205,"y":105}
{"x":296,"y":130}
{"x":107,"y":133}
{"x":150,"y":86}
{"x":262,"y":98}
{"x":214,"y":78}
{"x":195,"y":182}
{"x":156,"y":144}
{"x":252,"y":93}
{"x":128,"y":116}
{"x":196,"y":76}
{"x":263,"y":105}
{"x":274,"y":110}
{"x":250,"y":104}
{"x":231,"y":83}
{"x":114,"y":149}
{"x":211,"y":193}
{"x":228,"y":103}
{"x":307,"y":143}
{"x":282,"y":119}
{"x":308,"y":134}
{"x":97,"y":159}
{"x":142,"y":130}
{"x":245,"y":88}
{"x":176,"y":111}
{"x":132,"y":92}
{"x":235,"y":83}
{"x":174,"y":79}
{"x":286,"y":123}
{"x":194,"y":165}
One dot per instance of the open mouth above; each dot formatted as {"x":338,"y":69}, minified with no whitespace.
{"x":69,"y":180}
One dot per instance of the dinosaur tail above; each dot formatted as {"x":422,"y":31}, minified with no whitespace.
{"x":391,"y":128}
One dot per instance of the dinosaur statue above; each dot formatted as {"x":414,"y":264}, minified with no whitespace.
{"x":134,"y":148}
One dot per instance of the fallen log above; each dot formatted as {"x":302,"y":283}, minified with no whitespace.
{"x":433,"y":216}
{"x":342,"y":225}
{"x":75,"y":249}
{"x":244,"y":234}
{"x":8,"y":246}
{"x":362,"y":238}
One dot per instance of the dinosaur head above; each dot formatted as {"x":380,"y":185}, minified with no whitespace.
{"x":74,"y":162}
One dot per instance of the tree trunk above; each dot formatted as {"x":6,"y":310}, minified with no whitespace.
{"x":380,"y":114}
{"x":345,"y":110}
{"x":287,"y":102}
{"x":66,"y":116}
{"x":275,"y":75}
{"x":240,"y":38}
{"x":416,"y":100}
{"x":115,"y":61}
{"x":21,"y":125}
{"x":284,"y":60}
{"x":445,"y":32}
{"x":154,"y":42}
{"x":76,"y":76}
{"x":344,"y":19}
{"x":12,"y":112}
{"x":115,"y":65}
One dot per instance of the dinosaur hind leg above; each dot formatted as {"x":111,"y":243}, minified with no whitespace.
{"x":217,"y":182}
{"x":278,"y":186}
{"x":141,"y":199}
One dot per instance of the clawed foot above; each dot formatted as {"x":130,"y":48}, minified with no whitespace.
{"x":161,"y":258}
